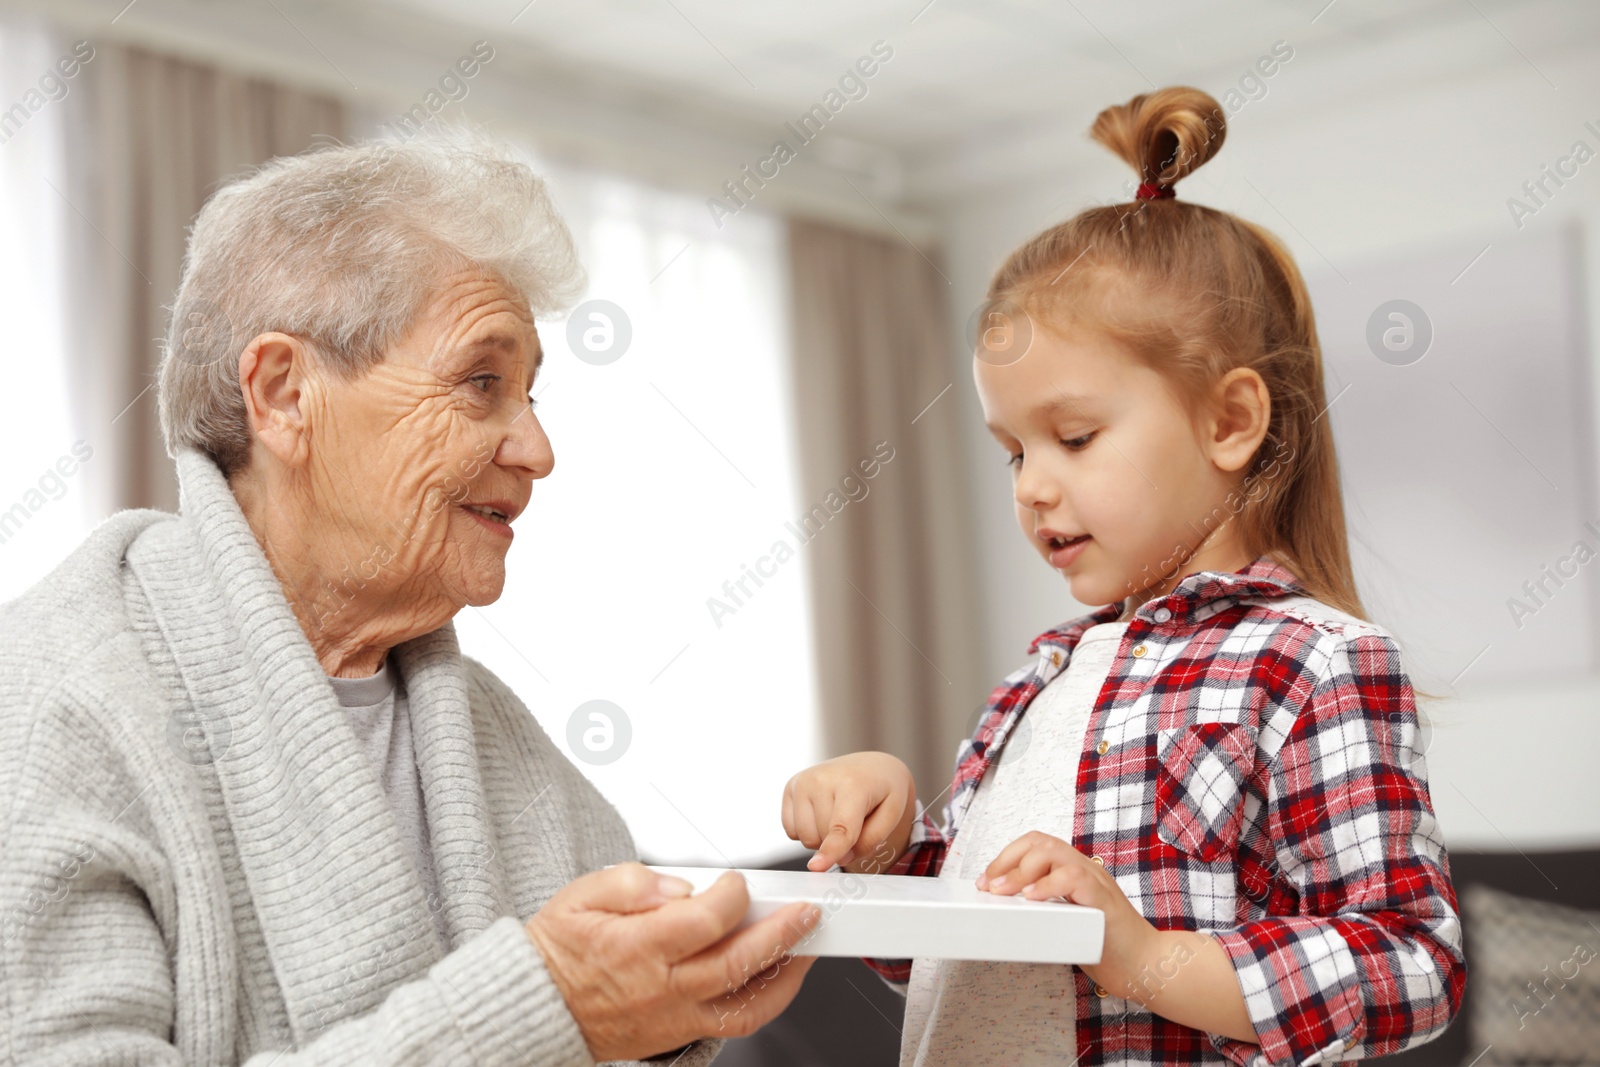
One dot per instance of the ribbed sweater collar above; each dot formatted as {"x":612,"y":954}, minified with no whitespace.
{"x":320,"y":847}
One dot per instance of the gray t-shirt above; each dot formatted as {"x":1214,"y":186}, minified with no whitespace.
{"x":973,"y":1013}
{"x":378,"y":711}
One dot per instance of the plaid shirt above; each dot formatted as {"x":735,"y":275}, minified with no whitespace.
{"x":1250,"y":770}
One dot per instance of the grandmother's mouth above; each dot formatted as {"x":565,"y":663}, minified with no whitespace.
{"x":490,"y":517}
{"x":488,"y":511}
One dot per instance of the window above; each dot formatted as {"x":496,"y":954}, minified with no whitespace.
{"x":675,"y":472}
{"x":43,"y":514}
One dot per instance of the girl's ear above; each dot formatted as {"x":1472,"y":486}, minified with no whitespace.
{"x":1240,"y":411}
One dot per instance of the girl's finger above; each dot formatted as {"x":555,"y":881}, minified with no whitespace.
{"x":788,"y":811}
{"x":880,"y":824}
{"x":1007,"y":859}
{"x":1032,"y":867}
{"x":844,"y":829}
{"x":1061,"y":881}
{"x":1029,"y":869}
{"x":805,"y":818}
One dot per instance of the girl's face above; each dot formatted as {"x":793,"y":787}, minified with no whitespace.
{"x":1116,"y":486}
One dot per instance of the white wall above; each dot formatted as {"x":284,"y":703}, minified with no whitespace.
{"x":1400,"y":168}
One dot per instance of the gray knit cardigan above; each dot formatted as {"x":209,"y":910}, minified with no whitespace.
{"x":199,"y":865}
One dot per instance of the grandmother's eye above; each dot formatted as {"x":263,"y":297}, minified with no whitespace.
{"x":490,"y":378}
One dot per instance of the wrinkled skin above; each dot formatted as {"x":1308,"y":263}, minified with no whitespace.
{"x":355,"y":488}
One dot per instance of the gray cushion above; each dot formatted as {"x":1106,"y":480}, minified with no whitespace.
{"x":1534,"y":970}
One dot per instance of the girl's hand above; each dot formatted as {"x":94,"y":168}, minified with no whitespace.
{"x":1041,"y":867}
{"x":856,"y":811}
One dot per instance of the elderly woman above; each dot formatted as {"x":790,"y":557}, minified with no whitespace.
{"x":259,"y":807}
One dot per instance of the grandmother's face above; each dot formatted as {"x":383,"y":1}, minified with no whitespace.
{"x":419,"y":466}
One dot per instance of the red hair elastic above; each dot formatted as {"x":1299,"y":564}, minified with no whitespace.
{"x":1152,"y":191}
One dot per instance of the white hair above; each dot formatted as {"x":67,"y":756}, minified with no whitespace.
{"x":342,"y":246}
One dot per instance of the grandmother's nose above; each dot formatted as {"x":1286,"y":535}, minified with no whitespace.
{"x":526,"y":445}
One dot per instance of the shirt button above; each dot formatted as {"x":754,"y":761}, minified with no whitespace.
{"x":1055,"y":659}
{"x":1138,"y":650}
{"x":1098,"y":860}
{"x":1163,"y":615}
{"x":1100,"y":991}
{"x":1102,"y":748}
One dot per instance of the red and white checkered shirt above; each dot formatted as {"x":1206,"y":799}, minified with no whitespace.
{"x":1250,"y":770}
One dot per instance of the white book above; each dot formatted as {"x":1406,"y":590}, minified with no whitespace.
{"x":899,"y":917}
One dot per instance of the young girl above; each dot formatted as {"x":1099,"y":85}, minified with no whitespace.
{"x":1222,"y":758}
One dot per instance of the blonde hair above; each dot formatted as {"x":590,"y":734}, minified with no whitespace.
{"x":1194,"y":293}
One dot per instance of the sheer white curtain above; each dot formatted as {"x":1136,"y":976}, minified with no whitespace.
{"x":149,"y":137}
{"x":42,"y":485}
{"x":675,"y":477}
{"x":106,"y":153}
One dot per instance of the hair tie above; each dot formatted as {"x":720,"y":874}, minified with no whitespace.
{"x":1152,"y":191}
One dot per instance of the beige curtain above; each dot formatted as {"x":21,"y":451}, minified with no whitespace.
{"x":892,"y":574}
{"x":149,"y":138}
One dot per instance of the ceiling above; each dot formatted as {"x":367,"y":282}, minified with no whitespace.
{"x":979,"y":95}
{"x":970,"y":72}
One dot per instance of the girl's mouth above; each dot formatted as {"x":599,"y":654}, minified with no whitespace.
{"x":1064,"y":550}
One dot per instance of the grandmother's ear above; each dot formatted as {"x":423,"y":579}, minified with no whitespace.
{"x":272,"y":379}
{"x":1241,"y":411}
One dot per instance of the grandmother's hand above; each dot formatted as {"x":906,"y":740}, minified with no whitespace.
{"x":645,"y":968}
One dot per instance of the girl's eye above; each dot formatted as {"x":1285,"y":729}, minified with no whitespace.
{"x":1014,"y":460}
{"x":1076,"y":444}
{"x":488,"y":378}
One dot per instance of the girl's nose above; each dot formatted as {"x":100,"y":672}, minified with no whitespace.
{"x":1035,"y":490}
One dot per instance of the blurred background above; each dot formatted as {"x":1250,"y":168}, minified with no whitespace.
{"x":777,"y":530}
